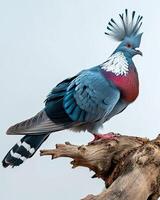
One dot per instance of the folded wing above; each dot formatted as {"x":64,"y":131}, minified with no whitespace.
{"x":90,"y":97}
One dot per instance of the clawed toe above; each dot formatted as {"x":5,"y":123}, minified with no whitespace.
{"x":108,"y":136}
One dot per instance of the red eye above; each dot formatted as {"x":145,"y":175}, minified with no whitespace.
{"x":129,"y":45}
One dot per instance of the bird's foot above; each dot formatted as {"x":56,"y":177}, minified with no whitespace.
{"x":107,"y":136}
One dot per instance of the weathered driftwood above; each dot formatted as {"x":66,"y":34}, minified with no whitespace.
{"x":130,"y":166}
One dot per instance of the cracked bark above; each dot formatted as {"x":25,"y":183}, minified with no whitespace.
{"x":130,"y":166}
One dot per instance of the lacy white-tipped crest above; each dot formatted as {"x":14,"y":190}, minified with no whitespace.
{"x":127,"y":28}
{"x":116,"y":64}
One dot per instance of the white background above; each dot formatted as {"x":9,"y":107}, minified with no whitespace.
{"x":41,"y":43}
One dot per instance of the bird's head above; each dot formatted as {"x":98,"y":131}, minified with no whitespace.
{"x":127,"y":33}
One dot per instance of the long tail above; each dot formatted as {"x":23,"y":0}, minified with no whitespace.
{"x":36,"y":131}
{"x":23,"y":150}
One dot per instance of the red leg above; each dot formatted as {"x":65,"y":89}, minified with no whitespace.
{"x":107,"y":136}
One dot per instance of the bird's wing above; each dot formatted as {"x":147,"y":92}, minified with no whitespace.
{"x":90,"y":97}
{"x":41,"y":123}
{"x":59,"y":91}
{"x":38,"y":125}
{"x":87,"y":97}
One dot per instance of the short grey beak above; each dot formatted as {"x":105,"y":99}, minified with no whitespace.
{"x":138,"y":52}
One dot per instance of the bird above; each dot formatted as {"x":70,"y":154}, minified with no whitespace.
{"x":87,"y":100}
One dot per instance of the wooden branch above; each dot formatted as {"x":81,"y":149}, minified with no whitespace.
{"x":130,"y":166}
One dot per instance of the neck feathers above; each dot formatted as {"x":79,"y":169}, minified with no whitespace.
{"x":117,"y":64}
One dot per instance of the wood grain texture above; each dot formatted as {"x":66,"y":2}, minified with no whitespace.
{"x":130,"y":166}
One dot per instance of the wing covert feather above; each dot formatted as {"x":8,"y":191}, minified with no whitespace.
{"x":90,"y":97}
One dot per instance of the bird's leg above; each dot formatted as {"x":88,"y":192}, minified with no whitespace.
{"x":107,"y":136}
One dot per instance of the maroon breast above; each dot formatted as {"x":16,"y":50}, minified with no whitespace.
{"x":128,"y":85}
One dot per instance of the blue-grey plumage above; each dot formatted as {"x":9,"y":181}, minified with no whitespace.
{"x":87,"y":100}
